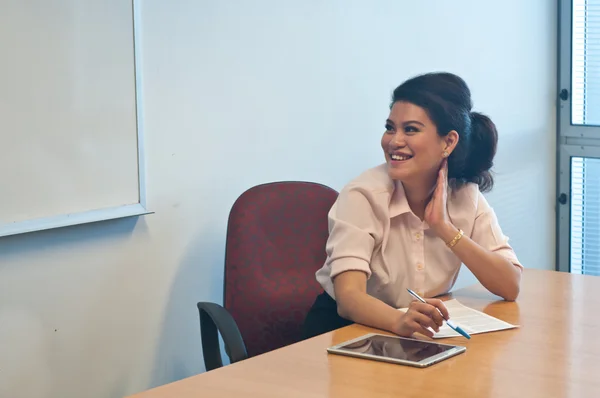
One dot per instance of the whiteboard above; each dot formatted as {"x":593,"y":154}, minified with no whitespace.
{"x":71,"y":143}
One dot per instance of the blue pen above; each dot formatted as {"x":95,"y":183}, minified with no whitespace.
{"x":448,"y":321}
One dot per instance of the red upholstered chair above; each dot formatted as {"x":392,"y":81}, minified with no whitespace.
{"x":276,"y":236}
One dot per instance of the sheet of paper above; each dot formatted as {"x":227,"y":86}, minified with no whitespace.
{"x":470,"y":320}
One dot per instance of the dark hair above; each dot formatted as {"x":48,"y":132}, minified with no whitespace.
{"x":447,"y":100}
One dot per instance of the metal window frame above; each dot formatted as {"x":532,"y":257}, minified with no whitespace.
{"x":572,"y":140}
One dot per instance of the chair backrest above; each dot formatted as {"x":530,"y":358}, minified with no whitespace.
{"x":276,"y":236}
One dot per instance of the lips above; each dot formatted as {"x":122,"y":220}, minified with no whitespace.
{"x":400,"y":156}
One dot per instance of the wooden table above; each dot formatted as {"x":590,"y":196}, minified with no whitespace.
{"x":555,"y":353}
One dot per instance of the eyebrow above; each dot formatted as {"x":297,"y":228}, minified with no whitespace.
{"x":406,"y":123}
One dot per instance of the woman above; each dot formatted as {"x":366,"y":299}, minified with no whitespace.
{"x":411,"y":222}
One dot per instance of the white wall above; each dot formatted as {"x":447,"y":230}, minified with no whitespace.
{"x":239,"y":93}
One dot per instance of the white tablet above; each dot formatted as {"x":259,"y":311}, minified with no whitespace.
{"x":395,"y":349}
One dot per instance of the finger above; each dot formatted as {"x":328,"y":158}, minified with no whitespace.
{"x":422,"y":318}
{"x":418,"y":328}
{"x":442,"y":179}
{"x":439,"y":186}
{"x":435,"y":315}
{"x":439,"y":304}
{"x":441,"y":175}
{"x":444,"y":170}
{"x":431,"y":312}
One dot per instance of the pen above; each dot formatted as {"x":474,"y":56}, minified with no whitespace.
{"x":448,"y":321}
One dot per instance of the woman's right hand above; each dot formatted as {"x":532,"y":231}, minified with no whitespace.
{"x":420,"y":317}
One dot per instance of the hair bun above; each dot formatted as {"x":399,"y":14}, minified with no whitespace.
{"x":483,"y":143}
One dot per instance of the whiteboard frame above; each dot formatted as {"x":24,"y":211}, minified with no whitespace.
{"x":111,"y":213}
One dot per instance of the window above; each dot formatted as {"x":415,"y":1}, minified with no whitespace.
{"x":579,"y":137}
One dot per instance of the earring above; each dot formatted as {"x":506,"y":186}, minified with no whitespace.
{"x":445,"y":154}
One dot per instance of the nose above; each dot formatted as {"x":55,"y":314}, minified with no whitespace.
{"x":398,"y":140}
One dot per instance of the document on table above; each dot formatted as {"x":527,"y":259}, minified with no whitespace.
{"x":472,"y":321}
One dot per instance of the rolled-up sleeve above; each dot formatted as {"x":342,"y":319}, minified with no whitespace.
{"x":353,"y":232}
{"x":488,"y":234}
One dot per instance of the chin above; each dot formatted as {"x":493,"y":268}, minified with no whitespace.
{"x":397,"y":174}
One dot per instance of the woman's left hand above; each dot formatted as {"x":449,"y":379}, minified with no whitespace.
{"x":436,"y":212}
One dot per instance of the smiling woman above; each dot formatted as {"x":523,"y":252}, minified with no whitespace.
{"x":410,"y":223}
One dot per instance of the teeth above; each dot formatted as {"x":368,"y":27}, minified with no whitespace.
{"x":400,"y":157}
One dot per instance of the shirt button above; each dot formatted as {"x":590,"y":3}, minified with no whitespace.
{"x":420,"y":267}
{"x":418,"y":235}
{"x":421,"y":293}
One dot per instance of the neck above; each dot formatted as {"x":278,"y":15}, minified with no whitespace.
{"x":418,"y":195}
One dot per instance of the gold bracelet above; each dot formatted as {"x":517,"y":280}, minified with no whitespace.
{"x":454,"y":241}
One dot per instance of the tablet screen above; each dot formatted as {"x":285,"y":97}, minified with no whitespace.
{"x":396,"y":348}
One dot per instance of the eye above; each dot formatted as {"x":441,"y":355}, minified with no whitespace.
{"x":411,"y":129}
{"x":389,"y":128}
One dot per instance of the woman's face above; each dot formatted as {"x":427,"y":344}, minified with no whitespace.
{"x":411,"y":144}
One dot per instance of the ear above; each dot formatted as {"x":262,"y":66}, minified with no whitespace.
{"x":450,"y":141}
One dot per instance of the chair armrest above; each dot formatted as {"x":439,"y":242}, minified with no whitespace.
{"x":215,"y":319}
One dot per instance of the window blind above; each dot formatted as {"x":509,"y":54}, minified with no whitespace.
{"x":585,"y":109}
{"x":585,"y":85}
{"x":585,"y":216}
